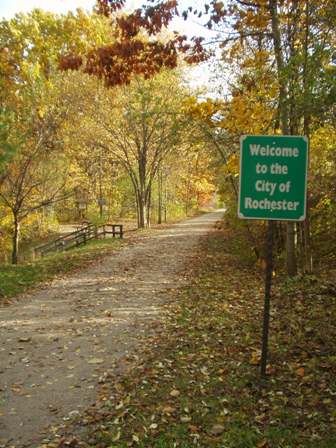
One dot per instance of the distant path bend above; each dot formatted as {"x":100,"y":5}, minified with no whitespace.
{"x":56,"y":342}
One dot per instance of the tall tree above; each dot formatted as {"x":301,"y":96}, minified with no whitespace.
{"x":34,"y":106}
{"x":138,"y":125}
{"x":35,"y":176}
{"x":296,"y":38}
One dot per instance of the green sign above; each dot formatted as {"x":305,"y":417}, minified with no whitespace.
{"x":273,"y":177}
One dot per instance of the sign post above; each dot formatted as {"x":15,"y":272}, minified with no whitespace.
{"x":273,"y":186}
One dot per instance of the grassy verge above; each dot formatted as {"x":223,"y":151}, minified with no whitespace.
{"x":15,"y":279}
{"x":197,"y":383}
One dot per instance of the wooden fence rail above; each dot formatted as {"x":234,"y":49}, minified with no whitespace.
{"x":79,"y":238}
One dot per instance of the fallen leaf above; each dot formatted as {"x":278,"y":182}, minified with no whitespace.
{"x":168,"y":410}
{"x":96,"y":361}
{"x":24,"y":339}
{"x":174,"y":393}
{"x":116,"y":437}
{"x":185,"y":419}
{"x":255,"y":358}
{"x":135,"y":438}
{"x":301,"y":371}
{"x":216,"y":430}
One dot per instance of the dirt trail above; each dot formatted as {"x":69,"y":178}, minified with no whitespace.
{"x":57,"y":342}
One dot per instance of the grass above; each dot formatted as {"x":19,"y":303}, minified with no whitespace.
{"x":16,"y":279}
{"x":197,"y":382}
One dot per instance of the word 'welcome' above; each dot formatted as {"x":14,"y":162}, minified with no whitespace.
{"x":258,"y":150}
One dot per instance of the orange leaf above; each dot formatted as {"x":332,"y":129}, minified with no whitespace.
{"x":301,"y":372}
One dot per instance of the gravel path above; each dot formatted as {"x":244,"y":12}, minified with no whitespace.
{"x":56,"y":343}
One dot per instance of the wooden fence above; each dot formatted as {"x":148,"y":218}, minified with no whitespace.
{"x":79,"y":238}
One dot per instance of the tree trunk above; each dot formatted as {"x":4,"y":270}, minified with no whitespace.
{"x":165,"y":206}
{"x":160,"y":194}
{"x":142,"y":211}
{"x":307,"y":251}
{"x":283,"y":112}
{"x":143,"y":192}
{"x":16,"y":237}
{"x":144,"y":208}
{"x":283,"y":94}
{"x":137,"y":205}
{"x":290,"y":246}
{"x":101,"y":210}
{"x":149,"y":206}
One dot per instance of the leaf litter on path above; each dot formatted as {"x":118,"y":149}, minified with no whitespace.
{"x":197,"y":381}
{"x":118,"y":310}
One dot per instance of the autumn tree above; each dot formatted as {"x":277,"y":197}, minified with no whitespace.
{"x":35,"y":177}
{"x":138,"y":125}
{"x":35,"y":107}
{"x":7,"y":145}
{"x":289,"y":42}
{"x":292,"y":41}
{"x":130,"y":53}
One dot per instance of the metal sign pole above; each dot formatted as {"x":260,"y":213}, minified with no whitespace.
{"x":268,"y":287}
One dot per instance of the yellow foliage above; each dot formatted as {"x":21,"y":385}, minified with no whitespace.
{"x":204,"y":111}
{"x":322,"y":151}
{"x":246,"y":115}
{"x":232,"y":165}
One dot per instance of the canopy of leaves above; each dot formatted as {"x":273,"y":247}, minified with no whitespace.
{"x":137,"y":47}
